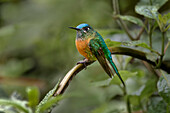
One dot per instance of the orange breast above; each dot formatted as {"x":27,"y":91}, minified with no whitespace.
{"x":83,"y":48}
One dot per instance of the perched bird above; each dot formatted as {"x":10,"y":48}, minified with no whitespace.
{"x":91,"y":45}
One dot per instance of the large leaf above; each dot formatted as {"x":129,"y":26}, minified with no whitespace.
{"x":157,"y":3}
{"x":149,"y":8}
{"x":147,"y":11}
{"x":132,"y":19}
{"x":164,"y":88}
{"x":157,"y":105}
{"x":148,"y":88}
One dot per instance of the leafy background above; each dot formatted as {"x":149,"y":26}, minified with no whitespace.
{"x":37,"y":48}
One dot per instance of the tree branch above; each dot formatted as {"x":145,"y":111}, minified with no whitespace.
{"x":68,"y":77}
{"x":114,"y":50}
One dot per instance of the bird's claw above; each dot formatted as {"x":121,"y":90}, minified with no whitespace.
{"x":83,"y":62}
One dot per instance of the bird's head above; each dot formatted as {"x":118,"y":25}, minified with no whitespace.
{"x":83,"y":31}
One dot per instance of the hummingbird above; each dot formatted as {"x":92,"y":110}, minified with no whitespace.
{"x":92,"y":46}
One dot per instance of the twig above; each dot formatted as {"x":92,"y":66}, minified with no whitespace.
{"x":162,"y":51}
{"x":166,"y":47}
{"x":122,"y":24}
{"x":141,"y":31}
{"x":128,"y":104}
{"x":126,"y":29}
{"x":151,"y":69}
{"x":150,"y":33}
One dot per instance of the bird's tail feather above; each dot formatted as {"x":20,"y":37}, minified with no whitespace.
{"x":117,"y":72}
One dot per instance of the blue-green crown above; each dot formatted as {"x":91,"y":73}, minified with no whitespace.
{"x":82,"y":25}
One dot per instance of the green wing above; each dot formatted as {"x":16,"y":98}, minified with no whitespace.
{"x":102,"y":53}
{"x":97,"y":50}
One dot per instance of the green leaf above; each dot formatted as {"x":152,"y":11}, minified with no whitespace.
{"x":144,"y":92}
{"x":18,"y":105}
{"x":110,"y":43}
{"x":49,"y":101}
{"x":147,"y":11}
{"x":132,"y":19}
{"x":143,"y":45}
{"x":149,"y":8}
{"x":136,"y":43}
{"x":152,"y":56}
{"x":157,"y":3}
{"x":164,"y":88}
{"x":147,"y":89}
{"x":33,"y":96}
{"x":157,"y":105}
{"x":124,"y":74}
{"x":49,"y":104}
{"x":163,"y":22}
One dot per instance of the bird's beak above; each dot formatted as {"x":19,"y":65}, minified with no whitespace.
{"x":74,"y":28}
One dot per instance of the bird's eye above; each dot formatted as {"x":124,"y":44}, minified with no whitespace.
{"x":86,"y":29}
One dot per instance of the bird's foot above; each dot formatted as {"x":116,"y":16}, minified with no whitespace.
{"x":84,"y":62}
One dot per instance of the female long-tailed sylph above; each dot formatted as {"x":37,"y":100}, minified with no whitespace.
{"x":91,"y":45}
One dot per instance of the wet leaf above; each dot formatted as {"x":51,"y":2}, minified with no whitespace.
{"x":147,"y":11}
{"x":164,"y":88}
{"x":149,"y":8}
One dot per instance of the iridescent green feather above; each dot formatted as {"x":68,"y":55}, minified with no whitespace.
{"x":103,"y":54}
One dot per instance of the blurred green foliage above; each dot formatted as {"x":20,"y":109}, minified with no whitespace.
{"x":37,"y":48}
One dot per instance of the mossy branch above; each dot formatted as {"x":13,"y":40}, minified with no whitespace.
{"x":114,"y":50}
